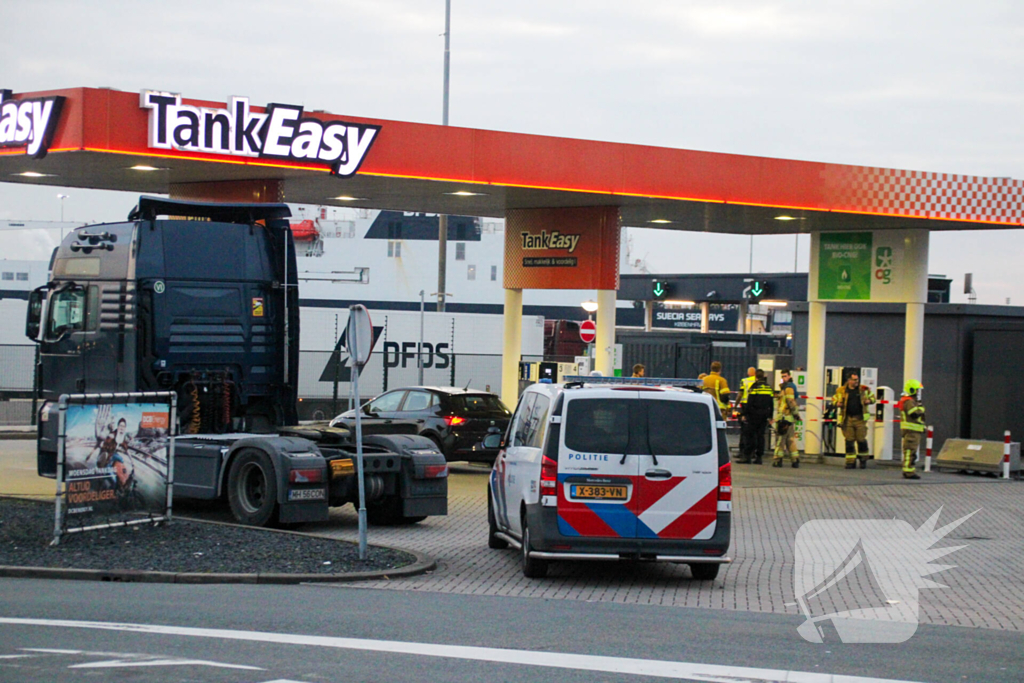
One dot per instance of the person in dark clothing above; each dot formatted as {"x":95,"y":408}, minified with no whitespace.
{"x":754,"y":417}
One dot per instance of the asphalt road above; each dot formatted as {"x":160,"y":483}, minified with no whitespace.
{"x":314,"y":633}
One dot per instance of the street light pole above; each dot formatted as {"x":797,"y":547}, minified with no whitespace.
{"x":62,"y":197}
{"x":442,"y":224}
{"x":419,"y":345}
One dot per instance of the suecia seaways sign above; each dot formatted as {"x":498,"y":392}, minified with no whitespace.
{"x":29,"y":123}
{"x":281,"y":132}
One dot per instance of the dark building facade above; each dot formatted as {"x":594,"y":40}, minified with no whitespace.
{"x":973,"y":360}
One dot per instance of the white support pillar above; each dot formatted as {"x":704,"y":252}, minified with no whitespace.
{"x":512,"y":347}
{"x":816,"y":314}
{"x":915,"y":267}
{"x":741,"y":318}
{"x":648,"y":316}
{"x":815,"y":376}
{"x":705,"y":316}
{"x":604,"y":345}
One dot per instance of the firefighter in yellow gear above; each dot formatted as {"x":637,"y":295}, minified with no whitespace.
{"x":852,"y":403}
{"x":787,"y":414}
{"x":716,"y":385}
{"x":912,"y":427}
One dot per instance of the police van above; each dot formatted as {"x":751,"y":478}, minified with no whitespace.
{"x":613,"y":469}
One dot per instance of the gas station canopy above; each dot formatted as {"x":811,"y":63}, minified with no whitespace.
{"x":160,"y":143}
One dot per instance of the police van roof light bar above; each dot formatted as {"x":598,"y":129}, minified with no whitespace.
{"x":643,"y":381}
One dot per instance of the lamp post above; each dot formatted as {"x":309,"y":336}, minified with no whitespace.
{"x":62,"y":197}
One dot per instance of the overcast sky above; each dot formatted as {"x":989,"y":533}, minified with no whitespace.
{"x":925,"y":85}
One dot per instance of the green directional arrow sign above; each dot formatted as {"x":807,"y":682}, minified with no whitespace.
{"x":660,"y":289}
{"x":757,"y":289}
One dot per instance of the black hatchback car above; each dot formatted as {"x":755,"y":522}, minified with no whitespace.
{"x":455,"y":419}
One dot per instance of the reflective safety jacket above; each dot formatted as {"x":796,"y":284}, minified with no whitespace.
{"x":911,"y":415}
{"x":843,"y":396}
{"x":759,"y":402}
{"x":745,"y":385}
{"x":786,"y":408}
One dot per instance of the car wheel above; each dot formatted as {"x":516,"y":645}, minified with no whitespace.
{"x":492,"y":539}
{"x":532,"y":567}
{"x":704,"y":572}
{"x":252,"y":488}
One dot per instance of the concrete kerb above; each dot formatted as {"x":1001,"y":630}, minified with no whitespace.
{"x":423,"y":563}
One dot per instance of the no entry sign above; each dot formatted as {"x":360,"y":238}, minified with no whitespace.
{"x":588,"y":331}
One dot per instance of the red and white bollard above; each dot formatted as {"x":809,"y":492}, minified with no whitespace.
{"x":1006,"y":454}
{"x":928,"y":450}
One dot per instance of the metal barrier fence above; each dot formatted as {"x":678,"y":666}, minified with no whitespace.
{"x":16,"y":362}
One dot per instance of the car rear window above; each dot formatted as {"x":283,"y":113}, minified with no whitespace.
{"x":597,"y":425}
{"x":678,"y":427}
{"x":478,"y":403}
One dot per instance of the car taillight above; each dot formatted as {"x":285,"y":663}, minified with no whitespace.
{"x":454,"y":420}
{"x":548,"y":476}
{"x":725,"y":482}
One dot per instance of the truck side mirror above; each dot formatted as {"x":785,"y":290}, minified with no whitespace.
{"x":492,"y":441}
{"x":34,"y":315}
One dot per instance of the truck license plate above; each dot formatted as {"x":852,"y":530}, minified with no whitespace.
{"x":306,"y":494}
{"x":598,"y":492}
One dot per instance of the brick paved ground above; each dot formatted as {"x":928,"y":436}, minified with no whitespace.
{"x":985,"y":588}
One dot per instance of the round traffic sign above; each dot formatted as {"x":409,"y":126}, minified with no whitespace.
{"x":359,"y":339}
{"x":588,"y":331}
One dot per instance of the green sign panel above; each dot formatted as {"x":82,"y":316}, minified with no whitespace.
{"x":844,"y":265}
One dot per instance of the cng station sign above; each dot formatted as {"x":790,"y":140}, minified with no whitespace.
{"x":882,"y":266}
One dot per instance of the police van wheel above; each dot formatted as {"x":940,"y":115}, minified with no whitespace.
{"x":252,"y":488}
{"x":704,"y":572}
{"x":532,"y":567}
{"x":492,"y":539}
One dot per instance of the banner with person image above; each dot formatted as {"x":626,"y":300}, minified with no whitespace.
{"x":115,"y":460}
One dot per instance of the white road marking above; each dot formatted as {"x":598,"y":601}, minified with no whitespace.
{"x":713,"y":673}
{"x":16,"y":656}
{"x":168,"y":661}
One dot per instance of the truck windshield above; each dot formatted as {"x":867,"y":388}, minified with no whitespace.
{"x":67,"y":312}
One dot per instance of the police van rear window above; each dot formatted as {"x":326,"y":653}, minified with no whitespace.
{"x":678,"y":427}
{"x":597,"y":425}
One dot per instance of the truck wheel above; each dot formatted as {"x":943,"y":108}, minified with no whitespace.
{"x":704,"y":572}
{"x":492,"y":540}
{"x":532,"y":567}
{"x":252,"y":488}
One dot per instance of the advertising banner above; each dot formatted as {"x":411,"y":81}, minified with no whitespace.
{"x":574,"y":248}
{"x":115,"y":460}
{"x":844,"y":266}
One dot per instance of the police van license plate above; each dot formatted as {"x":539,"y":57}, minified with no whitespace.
{"x":591,"y":492}
{"x":306,"y":494}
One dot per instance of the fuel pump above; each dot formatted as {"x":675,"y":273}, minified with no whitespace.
{"x":884,"y":415}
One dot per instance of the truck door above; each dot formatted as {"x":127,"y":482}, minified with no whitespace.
{"x":64,"y":339}
{"x":678,"y":483}
{"x":598,"y":465}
